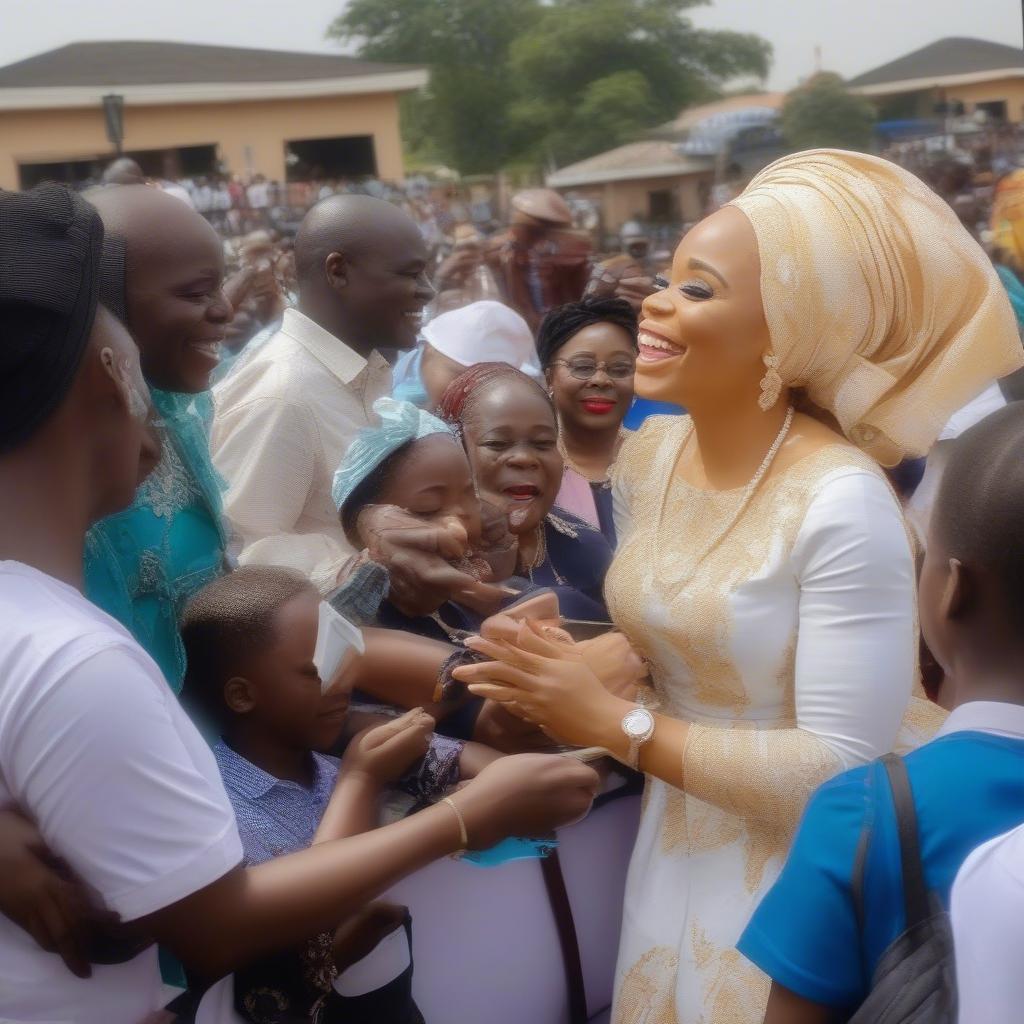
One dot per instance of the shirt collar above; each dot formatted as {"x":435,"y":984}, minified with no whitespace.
{"x":342,"y":361}
{"x":243,"y":777}
{"x":985,"y":716}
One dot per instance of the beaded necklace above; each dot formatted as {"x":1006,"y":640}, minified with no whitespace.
{"x":748,"y":493}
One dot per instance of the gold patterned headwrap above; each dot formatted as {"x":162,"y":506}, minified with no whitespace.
{"x":1008,"y":219}
{"x":878,"y":301}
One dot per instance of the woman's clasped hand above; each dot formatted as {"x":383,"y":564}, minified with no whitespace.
{"x":539,"y":676}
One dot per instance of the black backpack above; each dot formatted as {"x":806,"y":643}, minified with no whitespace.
{"x":915,"y":980}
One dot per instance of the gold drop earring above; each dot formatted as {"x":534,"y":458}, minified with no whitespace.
{"x":771,"y":382}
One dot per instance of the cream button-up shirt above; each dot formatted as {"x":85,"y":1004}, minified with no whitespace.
{"x":283,"y":421}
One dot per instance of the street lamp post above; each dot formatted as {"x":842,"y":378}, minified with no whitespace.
{"x":113,"y":111}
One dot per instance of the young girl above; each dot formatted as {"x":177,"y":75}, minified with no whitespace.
{"x":510,"y":433}
{"x":415,"y":462}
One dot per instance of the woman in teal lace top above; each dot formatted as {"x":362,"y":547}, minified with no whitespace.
{"x":163,"y":275}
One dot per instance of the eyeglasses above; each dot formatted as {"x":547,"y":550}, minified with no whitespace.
{"x":584,"y":369}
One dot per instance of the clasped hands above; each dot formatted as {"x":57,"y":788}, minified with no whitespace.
{"x":429,"y":564}
{"x":576,"y":692}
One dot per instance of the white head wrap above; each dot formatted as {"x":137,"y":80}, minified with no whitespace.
{"x":485,"y":332}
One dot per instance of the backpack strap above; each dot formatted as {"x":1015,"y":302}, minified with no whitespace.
{"x":860,"y":861}
{"x":915,"y":892}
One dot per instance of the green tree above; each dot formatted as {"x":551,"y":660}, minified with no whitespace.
{"x":462,"y":118}
{"x":593,"y":74}
{"x":549,"y":81}
{"x":822,"y":113}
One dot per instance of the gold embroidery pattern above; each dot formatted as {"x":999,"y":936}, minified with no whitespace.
{"x":766,"y":775}
{"x":691,"y":826}
{"x":170,"y":487}
{"x":673,"y":821}
{"x":922,"y":721}
{"x":736,"y":992}
{"x":687,"y":633}
{"x":747,"y":771}
{"x":647,"y":994}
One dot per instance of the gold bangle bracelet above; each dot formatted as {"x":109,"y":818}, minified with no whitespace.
{"x":464,"y":835}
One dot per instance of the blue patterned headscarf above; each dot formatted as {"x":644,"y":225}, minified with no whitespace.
{"x":400,"y":423}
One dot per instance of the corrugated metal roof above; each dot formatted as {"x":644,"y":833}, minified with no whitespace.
{"x":692,"y":116}
{"x":158,"y":63}
{"x":648,"y":158}
{"x":942,"y":59}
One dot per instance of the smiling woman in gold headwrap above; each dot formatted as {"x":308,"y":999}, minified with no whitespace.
{"x":764,"y":568}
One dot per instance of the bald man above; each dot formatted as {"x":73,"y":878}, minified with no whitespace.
{"x":123,"y":171}
{"x":285,"y":418}
{"x":163,"y":277}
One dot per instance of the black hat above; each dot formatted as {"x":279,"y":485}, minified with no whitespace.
{"x":50,"y":242}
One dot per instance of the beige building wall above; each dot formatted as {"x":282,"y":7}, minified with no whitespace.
{"x":261,"y":127}
{"x":1011,"y":90}
{"x":621,"y":201}
{"x":923,"y":101}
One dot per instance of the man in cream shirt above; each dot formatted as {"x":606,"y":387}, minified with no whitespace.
{"x":285,"y":418}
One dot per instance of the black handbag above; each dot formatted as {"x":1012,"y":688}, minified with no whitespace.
{"x":915,"y":980}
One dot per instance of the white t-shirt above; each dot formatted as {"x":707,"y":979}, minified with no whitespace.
{"x":919,"y":507}
{"x":988,"y":931}
{"x":259,"y":195}
{"x":94,"y":745}
{"x":178,"y":191}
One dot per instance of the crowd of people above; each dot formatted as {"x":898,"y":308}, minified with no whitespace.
{"x":237,"y":205}
{"x":327,"y":557}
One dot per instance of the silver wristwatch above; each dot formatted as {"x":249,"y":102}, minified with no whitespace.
{"x":638,"y":725}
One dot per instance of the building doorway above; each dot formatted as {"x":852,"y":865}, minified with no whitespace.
{"x":171,"y":163}
{"x":661,"y":206}
{"x":994,"y":109}
{"x":344,"y":157}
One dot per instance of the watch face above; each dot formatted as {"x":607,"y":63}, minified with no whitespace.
{"x":638,"y":723}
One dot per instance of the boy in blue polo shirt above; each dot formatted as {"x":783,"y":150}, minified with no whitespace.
{"x":967,"y":784}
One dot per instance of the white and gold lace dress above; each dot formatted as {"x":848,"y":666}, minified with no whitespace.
{"x":792,"y":650}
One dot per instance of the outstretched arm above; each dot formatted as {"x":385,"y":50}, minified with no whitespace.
{"x":785,"y":1007}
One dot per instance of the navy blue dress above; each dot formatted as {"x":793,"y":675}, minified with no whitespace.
{"x":575,"y":565}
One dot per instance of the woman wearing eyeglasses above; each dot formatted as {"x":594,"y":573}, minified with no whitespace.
{"x":588,"y":352}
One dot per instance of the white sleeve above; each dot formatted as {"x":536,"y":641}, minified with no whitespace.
{"x":121,"y":783}
{"x":855,"y":659}
{"x":857,"y":644}
{"x":987,"y":909}
{"x":267,"y":451}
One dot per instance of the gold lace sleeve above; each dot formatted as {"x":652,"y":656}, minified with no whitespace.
{"x":766,"y":774}
{"x":635,"y":460}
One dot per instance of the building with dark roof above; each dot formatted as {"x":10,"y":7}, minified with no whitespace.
{"x":192,"y":109}
{"x":667,"y":177}
{"x":950,"y":76}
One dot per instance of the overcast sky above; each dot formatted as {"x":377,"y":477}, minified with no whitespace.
{"x":854,"y":35}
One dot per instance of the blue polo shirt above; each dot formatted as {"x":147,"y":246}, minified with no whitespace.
{"x":968,"y":787}
{"x":274,"y":816}
{"x":644,"y":407}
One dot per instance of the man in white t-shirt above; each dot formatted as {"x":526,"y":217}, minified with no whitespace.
{"x":258,"y":193}
{"x":988,"y":931}
{"x":93,"y":746}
